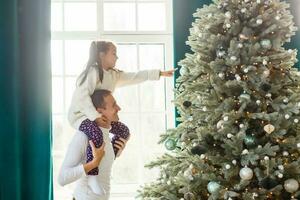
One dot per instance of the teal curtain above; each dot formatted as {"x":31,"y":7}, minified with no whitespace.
{"x":182,"y":21}
{"x":25,"y":100}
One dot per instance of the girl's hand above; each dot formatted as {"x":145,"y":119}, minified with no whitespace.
{"x":103,"y":122}
{"x":168,"y":73}
{"x":98,"y":153}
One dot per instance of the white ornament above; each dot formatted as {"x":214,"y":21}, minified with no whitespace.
{"x":246,"y":1}
{"x":266,"y":73}
{"x":269,"y":95}
{"x":228,"y":25}
{"x":202,"y":156}
{"x":280,"y":167}
{"x":277,"y":17}
{"x":204,"y":109}
{"x":221,"y":75}
{"x":169,"y":182}
{"x":258,"y":1}
{"x":286,"y":100}
{"x":220,"y":124}
{"x":237,"y":77}
{"x":246,"y":173}
{"x":227,"y":166}
{"x":243,"y":10}
{"x":291,"y":185}
{"x":265,"y":62}
{"x":259,"y":21}
{"x":296,"y":121}
{"x":246,"y":70}
{"x":280,"y":175}
{"x":287,"y":116}
{"x":259,"y":146}
{"x":269,"y":128}
{"x":258,"y":102}
{"x":234,"y":58}
{"x":266,"y":158}
{"x":245,"y":151}
{"x":228,"y":14}
{"x":242,"y":126}
{"x":285,"y":153}
{"x":298,"y":145}
{"x":234,"y":162}
{"x":229,"y":135}
{"x":225,"y":118}
{"x":240,"y":45}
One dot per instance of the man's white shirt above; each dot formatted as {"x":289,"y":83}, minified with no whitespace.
{"x":88,"y":187}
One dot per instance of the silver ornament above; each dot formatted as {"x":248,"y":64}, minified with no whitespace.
{"x":246,"y":173}
{"x":291,"y":185}
{"x":213,"y":187}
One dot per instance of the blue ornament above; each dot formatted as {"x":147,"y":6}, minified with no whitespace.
{"x":170,"y":144}
{"x":213,"y":187}
{"x":250,"y":141}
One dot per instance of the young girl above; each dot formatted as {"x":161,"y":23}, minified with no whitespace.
{"x":100,"y":73}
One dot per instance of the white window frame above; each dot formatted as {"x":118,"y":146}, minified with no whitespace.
{"x":143,"y":37}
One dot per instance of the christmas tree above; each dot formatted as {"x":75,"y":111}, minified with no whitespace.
{"x":238,"y":97}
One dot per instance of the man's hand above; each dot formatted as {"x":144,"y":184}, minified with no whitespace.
{"x":120,"y":144}
{"x":102,"y":122}
{"x":98,"y":153}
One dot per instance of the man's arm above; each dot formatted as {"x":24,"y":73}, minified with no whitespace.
{"x":72,"y":168}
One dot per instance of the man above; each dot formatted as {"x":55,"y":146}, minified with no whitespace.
{"x":75,"y":168}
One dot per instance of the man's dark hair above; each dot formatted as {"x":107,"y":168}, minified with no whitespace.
{"x":98,"y":98}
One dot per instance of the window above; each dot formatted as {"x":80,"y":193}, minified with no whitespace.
{"x":143,"y":33}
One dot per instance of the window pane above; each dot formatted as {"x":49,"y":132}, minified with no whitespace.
{"x":119,"y":17}
{"x":151,"y":56}
{"x":56,"y":17}
{"x":76,"y":55}
{"x":147,"y":20}
{"x":57,"y":94}
{"x":152,"y":96}
{"x":56,"y":57}
{"x":70,"y":88}
{"x":127,"y":98}
{"x":127,"y":60}
{"x":125,"y":169}
{"x":80,"y":16}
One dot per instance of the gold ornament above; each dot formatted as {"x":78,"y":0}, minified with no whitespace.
{"x":269,"y":128}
